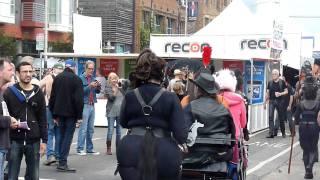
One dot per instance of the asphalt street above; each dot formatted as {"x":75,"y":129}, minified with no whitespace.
{"x":268,"y":160}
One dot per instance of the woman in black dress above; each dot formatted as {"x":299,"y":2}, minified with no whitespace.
{"x":150,"y":150}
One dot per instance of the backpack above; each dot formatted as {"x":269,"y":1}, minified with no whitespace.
{"x":309,"y":115}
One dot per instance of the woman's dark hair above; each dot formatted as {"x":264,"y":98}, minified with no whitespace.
{"x":149,"y":66}
{"x":239,"y":78}
{"x":310,"y":88}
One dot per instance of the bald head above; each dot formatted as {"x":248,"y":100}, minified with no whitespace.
{"x":275,"y":74}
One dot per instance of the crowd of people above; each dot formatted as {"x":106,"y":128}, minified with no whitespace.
{"x":40,"y":117}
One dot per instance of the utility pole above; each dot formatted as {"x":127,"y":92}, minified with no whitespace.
{"x":186,"y":19}
{"x":45,"y":35}
{"x":151,"y":16}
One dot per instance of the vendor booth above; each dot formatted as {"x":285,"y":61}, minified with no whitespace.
{"x":241,"y":38}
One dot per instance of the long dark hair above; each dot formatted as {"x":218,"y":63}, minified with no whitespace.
{"x":310,"y":88}
{"x":149,"y":66}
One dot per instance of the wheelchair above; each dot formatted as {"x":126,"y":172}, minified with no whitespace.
{"x":217,"y":168}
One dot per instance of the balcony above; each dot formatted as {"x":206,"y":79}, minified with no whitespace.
{"x":32,"y":15}
{"x":7,"y":12}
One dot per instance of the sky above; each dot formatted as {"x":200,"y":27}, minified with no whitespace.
{"x":300,"y":11}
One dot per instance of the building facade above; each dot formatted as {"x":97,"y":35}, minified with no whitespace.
{"x":117,"y":22}
{"x":24,"y":20}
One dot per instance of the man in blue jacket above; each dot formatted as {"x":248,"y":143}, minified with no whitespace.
{"x":90,"y":87}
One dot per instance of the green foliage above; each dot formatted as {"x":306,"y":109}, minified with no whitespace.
{"x":8,"y":46}
{"x":62,"y":46}
{"x":144,"y":38}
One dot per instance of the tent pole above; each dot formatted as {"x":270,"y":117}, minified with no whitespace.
{"x":251,"y":81}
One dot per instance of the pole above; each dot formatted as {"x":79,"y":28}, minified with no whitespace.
{"x":45,"y":31}
{"x":186,"y":19}
{"x":151,"y":17}
{"x":291,"y":149}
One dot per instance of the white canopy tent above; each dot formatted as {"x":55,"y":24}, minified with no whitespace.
{"x":243,"y":31}
{"x":239,"y":32}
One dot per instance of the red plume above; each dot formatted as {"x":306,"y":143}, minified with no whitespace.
{"x":206,"y":56}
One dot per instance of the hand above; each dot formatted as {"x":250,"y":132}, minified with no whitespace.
{"x":183,"y":148}
{"x":56,"y":121}
{"x":78,"y":123}
{"x":14,"y":123}
{"x":264,"y":106}
{"x":277,"y":94}
{"x":94,"y":84}
{"x":289,"y":108}
{"x":43,"y":148}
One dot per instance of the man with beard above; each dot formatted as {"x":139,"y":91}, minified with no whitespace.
{"x":26,"y":103}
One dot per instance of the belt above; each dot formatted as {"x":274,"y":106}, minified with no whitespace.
{"x":141,"y":131}
{"x":305,"y":122}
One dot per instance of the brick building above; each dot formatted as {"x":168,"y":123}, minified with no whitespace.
{"x":24,"y":20}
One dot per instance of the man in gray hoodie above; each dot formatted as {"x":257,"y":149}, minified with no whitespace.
{"x":6,"y":121}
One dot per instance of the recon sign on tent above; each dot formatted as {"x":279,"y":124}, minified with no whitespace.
{"x":185,"y":47}
{"x":259,"y":44}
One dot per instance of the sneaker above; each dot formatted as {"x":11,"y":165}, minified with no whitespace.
{"x":65,"y":168}
{"x":81,"y":153}
{"x":49,"y":161}
{"x":93,"y":153}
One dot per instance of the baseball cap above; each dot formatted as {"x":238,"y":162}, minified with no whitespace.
{"x":70,"y":63}
{"x":58,"y":66}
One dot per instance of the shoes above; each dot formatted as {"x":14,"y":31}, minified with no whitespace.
{"x":270,"y":136}
{"x":93,"y":153}
{"x":49,"y":161}
{"x":284,"y":135}
{"x":65,"y":168}
{"x":81,"y":153}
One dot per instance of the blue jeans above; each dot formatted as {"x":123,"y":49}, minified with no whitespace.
{"x":53,"y":132}
{"x":67,"y":127}
{"x":86,"y":129}
{"x":2,"y":160}
{"x":32,"y":158}
{"x":111,"y":121}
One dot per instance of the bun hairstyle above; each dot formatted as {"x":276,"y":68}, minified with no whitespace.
{"x":149,"y":66}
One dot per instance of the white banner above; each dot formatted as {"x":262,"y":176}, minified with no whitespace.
{"x":87,"y":34}
{"x":227,"y":47}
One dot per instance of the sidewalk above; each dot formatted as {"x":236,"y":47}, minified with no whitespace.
{"x":297,"y":170}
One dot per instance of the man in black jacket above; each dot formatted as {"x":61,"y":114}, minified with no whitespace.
{"x":66,"y":105}
{"x":26,"y":103}
{"x":6,"y":73}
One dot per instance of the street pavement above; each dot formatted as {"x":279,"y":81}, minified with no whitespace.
{"x":268,"y":160}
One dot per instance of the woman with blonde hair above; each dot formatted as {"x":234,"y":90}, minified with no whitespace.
{"x":114,"y":95}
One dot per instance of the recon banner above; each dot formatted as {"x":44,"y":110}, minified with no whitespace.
{"x":259,"y":44}
{"x":185,"y":47}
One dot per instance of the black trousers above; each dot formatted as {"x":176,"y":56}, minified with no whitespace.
{"x":281,"y":109}
{"x":309,"y":137}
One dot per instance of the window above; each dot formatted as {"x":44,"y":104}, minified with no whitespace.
{"x":54,"y":10}
{"x":206,"y":21}
{"x":218,"y":5}
{"x":170,"y":26}
{"x":12,"y":7}
{"x":157,"y":23}
{"x":146,"y":19}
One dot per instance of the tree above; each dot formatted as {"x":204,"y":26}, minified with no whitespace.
{"x":8,"y":46}
{"x":60,"y":46}
{"x":144,"y":38}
